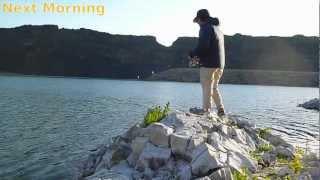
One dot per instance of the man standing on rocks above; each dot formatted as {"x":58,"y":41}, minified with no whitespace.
{"x":210,"y":55}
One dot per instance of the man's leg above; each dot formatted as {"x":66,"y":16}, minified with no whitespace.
{"x":215,"y":90}
{"x":206,"y":83}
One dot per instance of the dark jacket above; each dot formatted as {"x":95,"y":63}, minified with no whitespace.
{"x":208,"y":48}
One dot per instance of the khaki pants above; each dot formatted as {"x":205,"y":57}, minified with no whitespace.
{"x":209,"y":79}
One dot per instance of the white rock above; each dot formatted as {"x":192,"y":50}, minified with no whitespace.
{"x":105,"y":162}
{"x":179,"y":120}
{"x":133,"y":132}
{"x":184,"y":141}
{"x":203,"y":178}
{"x":208,"y":126}
{"x":284,"y":171}
{"x":224,"y":143}
{"x":305,"y":176}
{"x":275,"y":140}
{"x":159,"y":134}
{"x":105,"y":174}
{"x":238,"y":161}
{"x":153,"y":157}
{"x":124,"y":169}
{"x":148,"y":173}
{"x":225,"y":130}
{"x":242,"y":123}
{"x":183,"y":170}
{"x":269,"y":158}
{"x":137,"y":146}
{"x":176,"y":119}
{"x":238,"y":135}
{"x":205,"y":158}
{"x":222,"y":174}
{"x":179,"y":142}
{"x":314,"y":172}
{"x":283,"y":151}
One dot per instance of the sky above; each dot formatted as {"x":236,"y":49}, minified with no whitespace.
{"x":170,"y":19}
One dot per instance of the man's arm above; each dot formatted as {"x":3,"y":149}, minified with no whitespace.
{"x":203,"y":43}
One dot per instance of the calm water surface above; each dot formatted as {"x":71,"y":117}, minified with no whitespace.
{"x":48,"y":123}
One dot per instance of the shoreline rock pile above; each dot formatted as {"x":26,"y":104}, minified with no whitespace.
{"x":312,"y":104}
{"x":186,"y":146}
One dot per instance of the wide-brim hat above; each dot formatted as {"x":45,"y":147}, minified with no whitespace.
{"x":202,"y":14}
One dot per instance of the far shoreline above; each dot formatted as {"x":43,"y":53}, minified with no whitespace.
{"x":143,"y":79}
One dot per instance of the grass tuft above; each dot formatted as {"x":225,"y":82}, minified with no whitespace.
{"x":156,"y":114}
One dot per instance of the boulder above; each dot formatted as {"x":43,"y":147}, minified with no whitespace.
{"x":276,"y":140}
{"x":107,"y":174}
{"x":159,"y":134}
{"x":137,"y":146}
{"x":105,"y":162}
{"x":222,"y":174}
{"x":312,"y":104}
{"x":180,"y":120}
{"x":119,"y":153}
{"x":284,"y":171}
{"x":133,"y":132}
{"x":314,"y":172}
{"x":183,"y":170}
{"x":269,"y":158}
{"x":206,"y":158}
{"x":184,"y":141}
{"x":237,"y":161}
{"x":124,"y":169}
{"x":225,"y":144}
{"x":305,"y":176}
{"x":148,"y":173}
{"x":153,"y":157}
{"x":98,"y":156}
{"x":203,"y":178}
{"x":216,"y":140}
{"x":284,"y":152}
{"x":225,"y":130}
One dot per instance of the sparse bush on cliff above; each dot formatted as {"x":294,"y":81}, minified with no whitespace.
{"x":156,"y":114}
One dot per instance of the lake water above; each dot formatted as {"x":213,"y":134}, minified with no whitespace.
{"x":48,"y":123}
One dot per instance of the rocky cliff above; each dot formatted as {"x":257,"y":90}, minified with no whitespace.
{"x":190,"y":146}
{"x":48,"y":50}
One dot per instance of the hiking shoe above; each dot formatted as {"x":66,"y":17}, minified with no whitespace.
{"x":221,"y":112}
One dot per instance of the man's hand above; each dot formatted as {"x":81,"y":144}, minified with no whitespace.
{"x":194,"y":61}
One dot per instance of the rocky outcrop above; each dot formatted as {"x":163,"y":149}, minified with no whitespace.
{"x":312,"y":104}
{"x":186,"y":146}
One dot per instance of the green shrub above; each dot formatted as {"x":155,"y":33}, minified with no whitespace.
{"x":156,"y":114}
{"x":264,"y":148}
{"x":296,"y":164}
{"x":282,"y":159}
{"x":243,"y":175}
{"x":257,"y":154}
{"x":264,"y":132}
